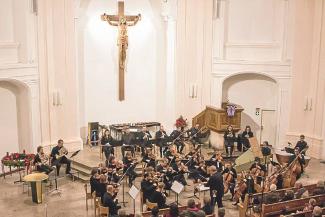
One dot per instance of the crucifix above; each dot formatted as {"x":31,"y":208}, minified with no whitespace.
{"x":122,"y":22}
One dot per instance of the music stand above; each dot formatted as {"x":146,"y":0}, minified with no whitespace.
{"x":177,"y":188}
{"x":133,"y":192}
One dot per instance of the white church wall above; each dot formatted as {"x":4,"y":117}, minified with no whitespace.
{"x":8,"y":124}
{"x":99,"y":64}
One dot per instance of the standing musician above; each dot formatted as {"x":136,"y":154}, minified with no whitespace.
{"x":41,"y":161}
{"x":159,"y":197}
{"x":229,"y":139}
{"x":162,"y":138}
{"x":230,"y":176}
{"x":177,"y":136}
{"x":129,"y":166}
{"x":245,"y":136}
{"x":301,"y":160}
{"x":145,"y":136}
{"x":215,"y":183}
{"x":194,"y":134}
{"x":127,"y":139}
{"x":58,"y":155}
{"x":106,"y":142}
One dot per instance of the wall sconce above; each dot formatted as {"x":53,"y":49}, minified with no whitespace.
{"x":57,"y":98}
{"x":193,"y":91}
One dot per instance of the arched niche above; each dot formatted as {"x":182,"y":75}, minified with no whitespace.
{"x":258,"y":94}
{"x":16,"y":116}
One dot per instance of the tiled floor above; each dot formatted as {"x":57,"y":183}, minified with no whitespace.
{"x":71,"y":203}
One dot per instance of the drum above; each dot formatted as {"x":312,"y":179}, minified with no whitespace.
{"x":282,"y":157}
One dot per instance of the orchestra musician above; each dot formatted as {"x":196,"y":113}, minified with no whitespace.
{"x":177,"y":136}
{"x":58,"y":155}
{"x":258,"y":170}
{"x":194,"y":134}
{"x":41,"y":161}
{"x":215,"y":183}
{"x":229,"y":139}
{"x":230,"y":176}
{"x":129,"y":166}
{"x":147,"y":187}
{"x":127,"y":139}
{"x":217,"y":159}
{"x":108,"y":201}
{"x":301,"y":161}
{"x":301,"y":145}
{"x":244,"y":138}
{"x":106,"y":142}
{"x":149,"y":159}
{"x":162,"y":138}
{"x":145,"y":136}
{"x":158,"y":196}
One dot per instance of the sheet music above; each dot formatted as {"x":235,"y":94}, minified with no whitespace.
{"x":133,"y":192}
{"x":203,"y":188}
{"x":177,"y":187}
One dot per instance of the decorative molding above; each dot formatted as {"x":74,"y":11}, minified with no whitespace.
{"x":253,"y":44}
{"x":6,"y":45}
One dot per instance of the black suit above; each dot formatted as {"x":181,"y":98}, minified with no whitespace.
{"x":159,"y":198}
{"x":147,"y":188}
{"x":178,"y":142}
{"x":108,"y":201}
{"x":216,"y":184}
{"x":162,"y":138}
{"x":244,"y":139}
{"x":301,"y":145}
{"x":108,"y":150}
{"x":127,"y":139}
{"x":144,"y":138}
{"x":62,"y":160}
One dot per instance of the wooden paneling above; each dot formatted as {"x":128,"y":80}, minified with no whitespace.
{"x":216,"y":119}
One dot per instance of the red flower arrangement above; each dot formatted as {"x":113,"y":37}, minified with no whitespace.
{"x":17,"y":159}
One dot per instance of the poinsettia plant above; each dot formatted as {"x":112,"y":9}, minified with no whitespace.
{"x":17,"y":159}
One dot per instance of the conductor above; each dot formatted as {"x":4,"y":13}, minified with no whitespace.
{"x":216,"y":187}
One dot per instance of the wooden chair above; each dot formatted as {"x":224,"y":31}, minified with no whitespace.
{"x":96,"y":202}
{"x":103,"y":211}
{"x":89,"y":196}
{"x":150,"y":205}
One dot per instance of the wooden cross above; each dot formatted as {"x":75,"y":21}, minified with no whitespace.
{"x":122,"y":22}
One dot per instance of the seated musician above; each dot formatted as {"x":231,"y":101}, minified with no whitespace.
{"x":129,"y":166}
{"x":177,"y":137}
{"x":108,"y":201}
{"x":180,"y":170}
{"x":94,"y":180}
{"x":147,"y":187}
{"x":301,"y":145}
{"x":229,"y":139}
{"x":245,"y":136}
{"x":158,"y":196}
{"x":58,"y":157}
{"x":258,"y":170}
{"x":112,"y":176}
{"x":194,"y":134}
{"x":162,"y":138}
{"x":301,"y":160}
{"x":101,"y":187}
{"x":229,"y":170}
{"x":127,"y":139}
{"x":149,"y":159}
{"x":145,"y":136}
{"x":41,"y":161}
{"x":106,"y":142}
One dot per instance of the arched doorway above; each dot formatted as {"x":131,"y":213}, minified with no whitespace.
{"x":258,"y":95}
{"x":15,"y":116}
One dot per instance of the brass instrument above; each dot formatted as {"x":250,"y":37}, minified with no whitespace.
{"x":62,"y":152}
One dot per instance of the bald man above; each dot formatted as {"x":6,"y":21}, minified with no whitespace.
{"x":215,"y":184}
{"x":108,"y":201}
